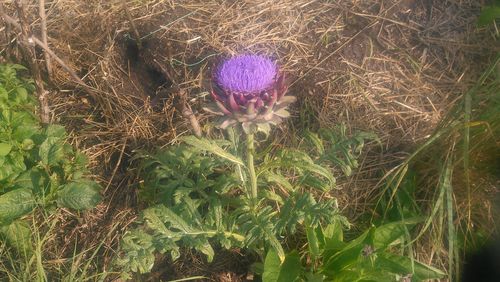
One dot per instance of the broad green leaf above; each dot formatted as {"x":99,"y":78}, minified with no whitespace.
{"x":51,"y":151}
{"x":12,"y":165}
{"x":388,"y":234}
{"x":212,"y":147}
{"x":272,"y":267}
{"x":275,"y":271}
{"x":291,"y":268}
{"x":55,"y":130}
{"x":34,"y":179}
{"x":349,"y":255}
{"x":5,"y":149}
{"x":314,"y":277}
{"x":25,"y":131}
{"x":334,"y":232}
{"x":18,"y":235}
{"x":80,"y":195}
{"x":403,"y":265}
{"x":15,"y":204}
{"x":20,"y":118}
{"x":21,"y":95}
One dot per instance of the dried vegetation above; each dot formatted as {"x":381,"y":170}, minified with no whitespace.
{"x":391,"y":67}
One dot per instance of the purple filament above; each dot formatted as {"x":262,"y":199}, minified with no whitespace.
{"x":246,"y":74}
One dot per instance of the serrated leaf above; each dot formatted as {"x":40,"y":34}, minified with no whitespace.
{"x":175,"y":220}
{"x":270,"y":195}
{"x":210,"y":146}
{"x":5,"y":149}
{"x":51,"y":151}
{"x":312,"y":241}
{"x":80,"y":195}
{"x":300,"y":160}
{"x":18,"y":235}
{"x":204,"y":247}
{"x":15,"y":204}
{"x":278,"y":179}
{"x":315,"y":141}
{"x":154,"y":222}
{"x":56,"y":131}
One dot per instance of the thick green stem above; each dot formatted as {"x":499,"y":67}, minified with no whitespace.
{"x":250,"y":165}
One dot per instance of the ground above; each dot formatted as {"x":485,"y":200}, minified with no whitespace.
{"x":390,"y":67}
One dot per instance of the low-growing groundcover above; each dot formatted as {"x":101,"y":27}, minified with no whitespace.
{"x":39,"y":170}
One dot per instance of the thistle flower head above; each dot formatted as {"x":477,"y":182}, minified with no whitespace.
{"x":246,"y":74}
{"x":250,"y":89}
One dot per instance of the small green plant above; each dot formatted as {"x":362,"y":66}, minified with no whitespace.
{"x":198,"y":195}
{"x":371,"y":256}
{"x":38,"y":168}
{"x":471,"y":127}
{"x":489,"y":13}
{"x":206,"y":194}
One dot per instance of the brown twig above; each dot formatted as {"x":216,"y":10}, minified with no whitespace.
{"x":185,"y":109}
{"x":187,"y":112}
{"x":38,"y":42}
{"x":134,"y":28}
{"x":43,"y":19}
{"x":28,"y":50}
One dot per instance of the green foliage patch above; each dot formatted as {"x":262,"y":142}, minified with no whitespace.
{"x":37,"y":165}
{"x":198,"y":197}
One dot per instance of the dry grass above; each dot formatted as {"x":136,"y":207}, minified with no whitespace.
{"x":392,"y":67}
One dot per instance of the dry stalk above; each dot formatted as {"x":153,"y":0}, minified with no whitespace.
{"x":28,"y":50}
{"x":134,"y":27}
{"x":46,"y":49}
{"x":43,"y":19}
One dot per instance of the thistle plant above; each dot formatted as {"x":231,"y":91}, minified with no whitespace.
{"x":250,"y":90}
{"x":202,"y":193}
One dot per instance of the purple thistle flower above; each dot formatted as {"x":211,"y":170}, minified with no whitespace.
{"x":247,"y":74}
{"x":250,"y":89}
